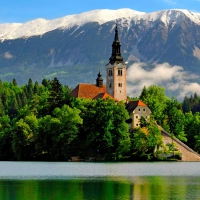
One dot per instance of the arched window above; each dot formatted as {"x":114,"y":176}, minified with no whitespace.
{"x":119,"y":72}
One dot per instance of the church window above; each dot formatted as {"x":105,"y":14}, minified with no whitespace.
{"x":110,"y":85}
{"x":138,"y":109}
{"x":119,"y":72}
{"x":110,"y":72}
{"x":119,"y":84}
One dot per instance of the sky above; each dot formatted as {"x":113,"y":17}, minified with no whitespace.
{"x":21,"y":11}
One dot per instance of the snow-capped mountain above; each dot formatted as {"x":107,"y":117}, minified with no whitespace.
{"x":42,"y":26}
{"x":75,"y":47}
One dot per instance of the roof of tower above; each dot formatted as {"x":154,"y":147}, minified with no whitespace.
{"x":116,"y":49}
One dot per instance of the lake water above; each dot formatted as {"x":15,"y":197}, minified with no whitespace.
{"x":99,"y":181}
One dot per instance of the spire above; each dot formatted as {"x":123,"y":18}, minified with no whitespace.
{"x":99,"y":80}
{"x":116,"y":49}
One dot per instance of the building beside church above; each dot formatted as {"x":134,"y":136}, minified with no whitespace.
{"x":115,"y":87}
{"x":137,"y":109}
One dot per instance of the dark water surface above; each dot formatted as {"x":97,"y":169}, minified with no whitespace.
{"x":99,"y":181}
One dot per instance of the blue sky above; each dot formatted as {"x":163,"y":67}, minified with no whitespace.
{"x":26,"y":10}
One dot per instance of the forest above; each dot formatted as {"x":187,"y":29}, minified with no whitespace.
{"x":42,"y":122}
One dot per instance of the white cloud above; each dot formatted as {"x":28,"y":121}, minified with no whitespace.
{"x":172,"y":78}
{"x":7,"y":55}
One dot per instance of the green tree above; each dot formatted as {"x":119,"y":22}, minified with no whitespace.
{"x":36,"y":88}
{"x":192,"y":129}
{"x":57,"y":132}
{"x":29,"y":89}
{"x":175,"y":119}
{"x":56,"y":95}
{"x":145,"y":141}
{"x":14,"y":82}
{"x":13,"y":110}
{"x":155,"y":98}
{"x":6,"y":152}
{"x":104,"y":128}
{"x":23,"y":137}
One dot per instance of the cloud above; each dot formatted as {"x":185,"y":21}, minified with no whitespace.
{"x":7,"y":55}
{"x":173,"y":78}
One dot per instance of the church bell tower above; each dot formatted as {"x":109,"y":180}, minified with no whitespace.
{"x":116,"y":72}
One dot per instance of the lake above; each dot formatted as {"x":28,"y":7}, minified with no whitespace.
{"x":99,"y":181}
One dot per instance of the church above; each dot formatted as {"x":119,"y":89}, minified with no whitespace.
{"x":115,"y":87}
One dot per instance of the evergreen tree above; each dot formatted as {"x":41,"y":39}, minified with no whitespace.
{"x":56,"y":95}
{"x":14,"y":82}
{"x":30,"y":89}
{"x":36,"y":88}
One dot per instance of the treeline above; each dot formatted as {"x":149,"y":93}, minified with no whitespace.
{"x":43,"y":122}
{"x":191,"y":103}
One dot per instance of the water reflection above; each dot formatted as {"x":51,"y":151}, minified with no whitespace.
{"x":111,"y":188}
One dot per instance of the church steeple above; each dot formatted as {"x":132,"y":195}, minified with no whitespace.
{"x":116,"y":72}
{"x":99,"y":80}
{"x":116,"y":49}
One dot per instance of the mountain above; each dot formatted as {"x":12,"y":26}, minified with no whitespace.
{"x":74,"y":48}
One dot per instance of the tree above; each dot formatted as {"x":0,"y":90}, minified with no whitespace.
{"x":120,"y":133}
{"x":145,"y":141}
{"x":23,"y":137}
{"x":192,"y":129}
{"x":6,"y":152}
{"x":155,"y":98}
{"x":36,"y":88}
{"x":56,"y":95}
{"x":191,"y":104}
{"x":175,"y":119}
{"x":14,"y":82}
{"x":104,"y":128}
{"x":57,"y":132}
{"x":29,"y":89}
{"x":13,"y":110}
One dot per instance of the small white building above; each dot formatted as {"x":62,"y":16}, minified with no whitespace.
{"x":137,"y":109}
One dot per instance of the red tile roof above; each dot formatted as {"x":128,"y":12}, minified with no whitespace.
{"x":104,"y":96}
{"x":131,"y":105}
{"x":90,"y":91}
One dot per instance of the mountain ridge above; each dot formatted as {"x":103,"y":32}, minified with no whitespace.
{"x":41,"y":26}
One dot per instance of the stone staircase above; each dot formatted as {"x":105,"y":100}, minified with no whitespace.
{"x":187,"y":153}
